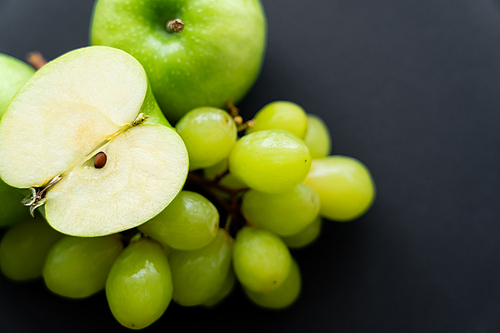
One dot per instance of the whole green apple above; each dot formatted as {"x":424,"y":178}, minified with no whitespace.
{"x":13,"y":75}
{"x":195,"y":52}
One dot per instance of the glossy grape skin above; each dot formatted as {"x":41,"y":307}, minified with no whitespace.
{"x":283,"y":296}
{"x":24,"y":247}
{"x":261,"y":259}
{"x":139,"y":286}
{"x":344,"y":185}
{"x":305,"y":236}
{"x":77,"y":267}
{"x":189,"y":222}
{"x":282,"y":115}
{"x":271,"y":161}
{"x":283,"y":213}
{"x":199,"y":274}
{"x":224,"y":291}
{"x":318,"y":138}
{"x":209,"y":135}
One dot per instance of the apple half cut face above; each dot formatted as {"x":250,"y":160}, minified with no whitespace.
{"x":86,"y":135}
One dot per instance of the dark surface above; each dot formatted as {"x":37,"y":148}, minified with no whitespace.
{"x":411,"y":88}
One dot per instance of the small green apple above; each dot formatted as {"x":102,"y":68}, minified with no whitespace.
{"x":13,"y":75}
{"x":216,"y":57}
{"x":86,"y":136}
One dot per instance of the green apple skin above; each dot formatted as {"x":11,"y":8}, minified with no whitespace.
{"x":215,"y":59}
{"x":13,"y":75}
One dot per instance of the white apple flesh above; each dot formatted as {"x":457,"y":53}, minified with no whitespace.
{"x":87,"y":101}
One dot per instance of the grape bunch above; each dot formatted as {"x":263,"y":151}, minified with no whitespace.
{"x":255,"y":190}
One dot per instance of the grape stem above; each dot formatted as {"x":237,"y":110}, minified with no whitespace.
{"x":232,"y":208}
{"x":228,"y":223}
{"x":238,"y":120}
{"x":196,"y":178}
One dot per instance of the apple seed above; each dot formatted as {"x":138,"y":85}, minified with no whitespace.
{"x":100,"y":160}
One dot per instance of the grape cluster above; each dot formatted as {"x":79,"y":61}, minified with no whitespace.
{"x":262,"y":187}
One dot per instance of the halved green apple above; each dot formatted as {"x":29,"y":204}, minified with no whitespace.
{"x":87,"y":102}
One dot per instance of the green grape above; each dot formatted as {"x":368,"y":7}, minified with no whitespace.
{"x":199,"y":274}
{"x":305,"y":236}
{"x":227,"y":180}
{"x":344,"y":185}
{"x":216,"y":170}
{"x":209,"y":134}
{"x":224,"y":291}
{"x":283,"y":296}
{"x":77,"y":267}
{"x":270,"y":161}
{"x":189,"y":222}
{"x":281,"y":115}
{"x":11,"y":208}
{"x":24,"y":247}
{"x":232,"y":182}
{"x":139,"y":286}
{"x":261,"y":259}
{"x":283,"y":213}
{"x":318,"y":138}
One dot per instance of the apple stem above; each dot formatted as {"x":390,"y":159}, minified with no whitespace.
{"x":37,"y":196}
{"x":36,"y":60}
{"x":140,"y":119}
{"x":175,"y":26}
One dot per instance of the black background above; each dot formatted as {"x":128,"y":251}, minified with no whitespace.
{"x":408,"y":87}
